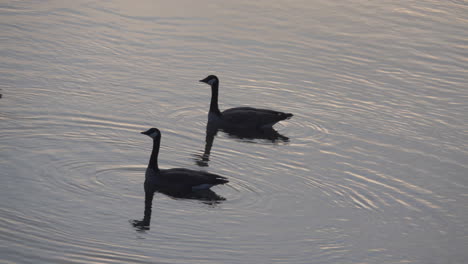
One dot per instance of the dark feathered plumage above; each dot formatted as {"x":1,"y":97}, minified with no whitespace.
{"x":177,"y":179}
{"x":244,"y":117}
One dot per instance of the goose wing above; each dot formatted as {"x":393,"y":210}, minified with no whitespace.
{"x":253,"y":116}
{"x":181,"y":176}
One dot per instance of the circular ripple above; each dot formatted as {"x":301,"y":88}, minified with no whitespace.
{"x":194,"y":115}
{"x":303,"y":130}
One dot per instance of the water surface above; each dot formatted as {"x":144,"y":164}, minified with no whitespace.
{"x":374,"y":171}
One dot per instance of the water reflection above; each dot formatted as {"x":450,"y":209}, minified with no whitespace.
{"x":206,"y":196}
{"x":212,"y":128}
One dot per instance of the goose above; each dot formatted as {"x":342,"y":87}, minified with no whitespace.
{"x":240,"y":117}
{"x":176,"y":180}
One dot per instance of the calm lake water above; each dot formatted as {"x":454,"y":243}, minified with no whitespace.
{"x":375,"y":169}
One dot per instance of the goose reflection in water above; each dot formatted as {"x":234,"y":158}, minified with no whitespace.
{"x":205,"y":196}
{"x":212,"y":128}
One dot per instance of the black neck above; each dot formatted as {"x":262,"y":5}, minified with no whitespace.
{"x":214,"y":99}
{"x":153,"y":163}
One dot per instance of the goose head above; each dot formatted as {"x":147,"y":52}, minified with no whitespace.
{"x":152,"y":132}
{"x":212,"y":79}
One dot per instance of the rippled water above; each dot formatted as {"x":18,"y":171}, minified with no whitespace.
{"x":374,"y":171}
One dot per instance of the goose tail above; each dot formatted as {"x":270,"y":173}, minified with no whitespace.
{"x":285,"y":116}
{"x":221,"y":180}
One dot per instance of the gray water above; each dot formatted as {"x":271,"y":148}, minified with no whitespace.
{"x":375,"y":169}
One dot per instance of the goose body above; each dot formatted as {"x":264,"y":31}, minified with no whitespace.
{"x":240,"y":117}
{"x":180,"y":180}
{"x":176,"y":180}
